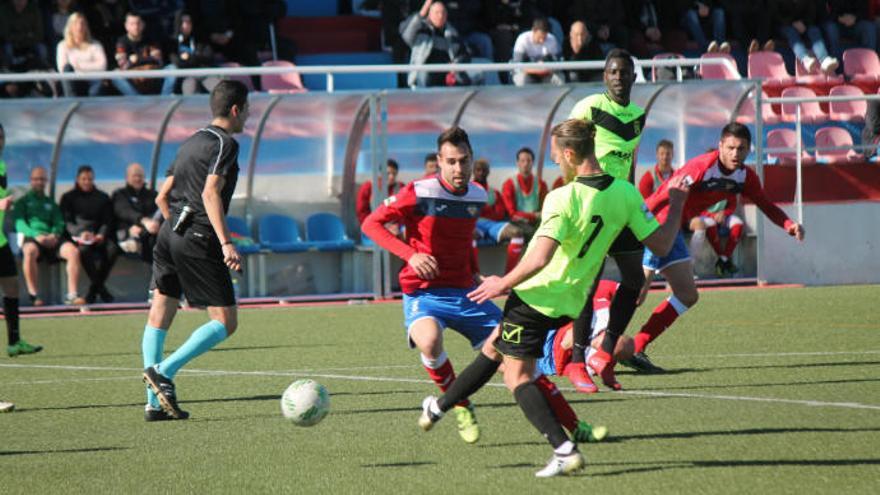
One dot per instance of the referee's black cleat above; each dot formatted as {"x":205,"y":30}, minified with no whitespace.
{"x":163,"y":387}
{"x":151,"y":415}
{"x":642,"y":364}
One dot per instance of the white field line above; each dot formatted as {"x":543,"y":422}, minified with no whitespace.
{"x":333,"y":376}
{"x":765,"y":354}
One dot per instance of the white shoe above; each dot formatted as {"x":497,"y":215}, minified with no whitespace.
{"x":713,"y":47}
{"x":429,"y":417}
{"x":829,"y":65}
{"x":809,"y":63}
{"x":6,"y":406}
{"x":724,"y":47}
{"x":562,"y":464}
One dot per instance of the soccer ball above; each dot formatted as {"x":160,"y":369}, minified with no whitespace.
{"x":305,"y":402}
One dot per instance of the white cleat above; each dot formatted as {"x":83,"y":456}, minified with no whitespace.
{"x":562,"y":464}
{"x":6,"y":406}
{"x":429,"y":417}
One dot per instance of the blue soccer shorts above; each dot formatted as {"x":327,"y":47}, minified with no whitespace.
{"x":451,"y":308}
{"x":678,"y":254}
{"x":490,"y":229}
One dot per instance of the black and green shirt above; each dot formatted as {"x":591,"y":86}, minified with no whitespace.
{"x":618,"y":131}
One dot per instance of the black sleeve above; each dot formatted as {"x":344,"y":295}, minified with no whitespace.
{"x":107,"y":217}
{"x":68,"y":214}
{"x":226,"y":158}
{"x":123,"y":209}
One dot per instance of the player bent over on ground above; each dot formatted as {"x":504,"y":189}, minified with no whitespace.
{"x":194,"y":250}
{"x":548,"y":288}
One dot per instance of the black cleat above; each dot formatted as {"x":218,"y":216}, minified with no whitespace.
{"x":151,"y":415}
{"x":642,"y":364}
{"x":163,"y":387}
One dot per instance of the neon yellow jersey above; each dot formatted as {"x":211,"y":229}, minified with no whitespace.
{"x":618,"y":131}
{"x":584,"y":217}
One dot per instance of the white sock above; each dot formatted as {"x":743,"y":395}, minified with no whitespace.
{"x":432,"y":363}
{"x":565,"y":449}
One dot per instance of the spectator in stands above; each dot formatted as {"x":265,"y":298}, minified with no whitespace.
{"x":77,"y":52}
{"x":469,"y":18}
{"x":88,"y":216}
{"x":137,"y":217}
{"x":849,"y":18}
{"x":493,"y":222}
{"x":393,"y":14}
{"x":523,"y":196}
{"x":38,"y":219}
{"x":158,"y":16}
{"x":661,"y":171}
{"x":57,"y":22}
{"x":433,"y":41}
{"x":186,"y":51}
{"x":220,"y":22}
{"x":647,"y":22}
{"x":21,"y":28}
{"x":507,"y":19}
{"x":363,"y":205}
{"x":697,"y":17}
{"x":795,"y":19}
{"x":750,"y":23}
{"x":605,"y":19}
{"x":107,"y":20}
{"x":134,"y":51}
{"x":537,"y":45}
{"x":581,"y":47}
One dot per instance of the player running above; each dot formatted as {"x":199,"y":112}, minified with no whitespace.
{"x":712,"y":176}
{"x":548,"y":288}
{"x":619,"y":124}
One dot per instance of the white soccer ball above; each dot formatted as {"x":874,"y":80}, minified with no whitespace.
{"x":305,"y":402}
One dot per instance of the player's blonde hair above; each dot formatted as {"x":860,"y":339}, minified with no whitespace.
{"x":577,"y":135}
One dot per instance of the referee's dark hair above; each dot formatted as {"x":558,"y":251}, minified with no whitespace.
{"x":455,"y":136}
{"x":620,"y":54}
{"x":226,"y":94}
{"x":737,"y":130}
{"x":577,"y":135}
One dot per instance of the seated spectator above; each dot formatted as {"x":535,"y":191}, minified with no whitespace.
{"x":106,"y":19}
{"x":605,"y":19}
{"x":661,"y":171}
{"x":582,"y":47}
{"x":648,"y":19}
{"x":700,"y":16}
{"x":185,"y":51}
{"x":750,"y":23}
{"x":523,"y":196}
{"x":432,"y":40}
{"x":39,"y":221}
{"x":849,"y":18}
{"x":77,"y":52}
{"x":135,"y":52}
{"x":158,"y":16}
{"x":21,"y":44}
{"x":705,"y":226}
{"x":88,"y":217}
{"x":57,"y":20}
{"x":795,"y":19}
{"x":493,"y":222}
{"x":137,"y":217}
{"x":537,"y":45}
{"x":507,"y":20}
{"x":363,"y":205}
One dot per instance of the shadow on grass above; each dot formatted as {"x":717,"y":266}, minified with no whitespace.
{"x":645,"y":467}
{"x":60,"y":451}
{"x":722,"y":433}
{"x":759,"y":385}
{"x":796,"y":366}
{"x":399,"y":464}
{"x":45,"y":356}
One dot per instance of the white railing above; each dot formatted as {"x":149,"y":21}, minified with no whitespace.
{"x":330,"y":70}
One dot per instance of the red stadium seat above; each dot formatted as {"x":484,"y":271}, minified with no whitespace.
{"x":862,"y":67}
{"x":666,"y":73}
{"x":828,"y":137}
{"x":814,"y":77}
{"x":281,"y":83}
{"x":746,"y":112}
{"x":811,"y":113}
{"x":770,"y":67}
{"x":244,"y":79}
{"x":785,"y":138}
{"x":714,"y":71}
{"x":851,"y":111}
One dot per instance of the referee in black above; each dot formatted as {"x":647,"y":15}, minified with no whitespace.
{"x":194,"y":251}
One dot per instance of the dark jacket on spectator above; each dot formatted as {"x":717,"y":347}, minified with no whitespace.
{"x":130,"y":206}
{"x":599,"y":12}
{"x":23,"y":29}
{"x":590,"y":51}
{"x":789,"y":11}
{"x":837,"y":8}
{"x":421,"y":37}
{"x":84,"y":211}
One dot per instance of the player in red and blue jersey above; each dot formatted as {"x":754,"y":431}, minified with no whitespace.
{"x":712,"y":177}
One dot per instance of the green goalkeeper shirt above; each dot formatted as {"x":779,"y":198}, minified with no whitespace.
{"x":37,"y":214}
{"x":584,"y":217}
{"x":618,"y":131}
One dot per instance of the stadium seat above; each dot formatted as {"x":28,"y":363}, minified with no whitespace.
{"x":811,"y":112}
{"x":241,"y":235}
{"x":814,"y":78}
{"x":280,"y":234}
{"x":311,"y":8}
{"x":850,"y":111}
{"x":714,"y":71}
{"x":247,"y":80}
{"x":770,"y":68}
{"x":785,"y":138}
{"x":669,"y":73}
{"x":828,"y":137}
{"x":746,"y":112}
{"x":380,"y":80}
{"x":281,"y":83}
{"x":862,"y":67}
{"x":326,"y":232}
{"x":486,"y":78}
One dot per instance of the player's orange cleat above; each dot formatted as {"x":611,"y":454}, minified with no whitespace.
{"x":577,"y":375}
{"x":602,"y":364}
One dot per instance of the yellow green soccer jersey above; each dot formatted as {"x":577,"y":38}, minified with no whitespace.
{"x":584,"y":217}
{"x":618,"y":131}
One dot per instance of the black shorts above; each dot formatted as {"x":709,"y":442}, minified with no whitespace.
{"x":7,"y":262}
{"x":48,"y":255}
{"x":191,"y":265}
{"x":524,"y":330}
{"x":626,"y":243}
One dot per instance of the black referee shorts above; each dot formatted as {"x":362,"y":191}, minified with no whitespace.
{"x":191,"y":265}
{"x":626,"y":243}
{"x":524,"y":330}
{"x":7,"y":262}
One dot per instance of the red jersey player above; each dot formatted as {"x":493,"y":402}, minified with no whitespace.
{"x":523,"y":196}
{"x":712,"y":177}
{"x":661,"y":171}
{"x":365,"y":193}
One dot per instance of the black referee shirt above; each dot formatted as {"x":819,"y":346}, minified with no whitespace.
{"x":209,"y":151}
